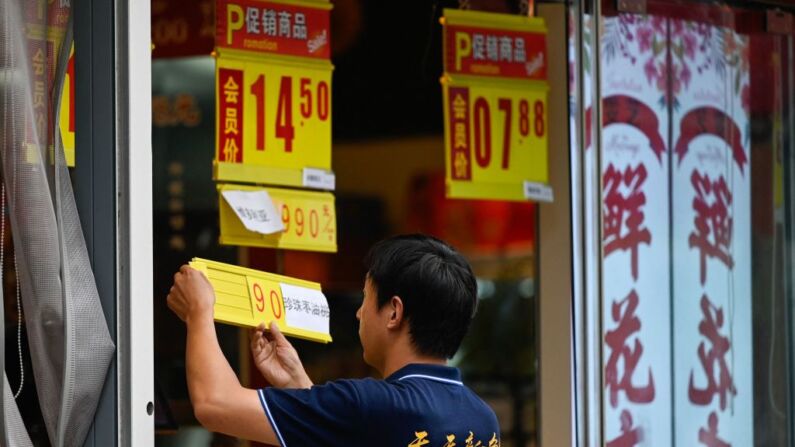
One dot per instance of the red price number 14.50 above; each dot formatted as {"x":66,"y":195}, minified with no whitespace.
{"x":274,"y":300}
{"x":529,"y":120}
{"x":312,"y":223}
{"x":313,"y":99}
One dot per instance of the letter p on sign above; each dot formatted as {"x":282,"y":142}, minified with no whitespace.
{"x":234,"y":21}
{"x":463,"y":48}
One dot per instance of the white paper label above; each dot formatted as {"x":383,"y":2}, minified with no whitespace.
{"x":319,"y":179}
{"x":305,"y":308}
{"x":538,"y":191}
{"x":255,"y":209}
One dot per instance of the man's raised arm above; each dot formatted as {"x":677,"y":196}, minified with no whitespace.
{"x":220,"y":403}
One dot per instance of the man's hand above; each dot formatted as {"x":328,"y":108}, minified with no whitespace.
{"x":276,"y":358}
{"x":191,"y":296}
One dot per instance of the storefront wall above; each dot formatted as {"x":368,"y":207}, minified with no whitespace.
{"x":681,"y":149}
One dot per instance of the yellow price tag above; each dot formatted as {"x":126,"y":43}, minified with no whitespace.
{"x":496,"y":137}
{"x":309,"y":219}
{"x":273,"y":118}
{"x":66,"y":122}
{"x":246,"y":297}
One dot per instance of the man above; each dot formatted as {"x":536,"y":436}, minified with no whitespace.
{"x":419,"y":300}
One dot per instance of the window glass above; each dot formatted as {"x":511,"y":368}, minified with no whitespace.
{"x":694,"y":155}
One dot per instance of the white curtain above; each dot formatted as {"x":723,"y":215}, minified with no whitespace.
{"x":69,"y":342}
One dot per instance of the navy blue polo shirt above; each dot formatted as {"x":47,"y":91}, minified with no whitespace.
{"x":418,"y":405}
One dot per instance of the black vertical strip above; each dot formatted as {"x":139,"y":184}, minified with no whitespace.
{"x":94,"y":176}
{"x":671,"y":160}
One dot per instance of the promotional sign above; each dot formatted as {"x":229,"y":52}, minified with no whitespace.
{"x":273,"y":119}
{"x":273,"y":123}
{"x":274,"y":27}
{"x":495,"y":106}
{"x":246,"y":297}
{"x":308,"y":218}
{"x":484,"y":44}
{"x":66,"y":122}
{"x":636,"y":314}
{"x":713,"y":374}
{"x":273,"y":92}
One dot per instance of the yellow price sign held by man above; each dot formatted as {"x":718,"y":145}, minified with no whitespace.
{"x":308,"y":219}
{"x":247,"y":297}
{"x":273,"y":119}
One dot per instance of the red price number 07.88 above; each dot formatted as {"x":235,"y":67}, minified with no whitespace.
{"x":312,"y":223}
{"x":314,"y":99}
{"x":528,"y":120}
{"x":273,"y":298}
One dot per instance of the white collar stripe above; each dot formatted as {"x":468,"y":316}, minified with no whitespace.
{"x":438,"y":379}
{"x":264,"y":403}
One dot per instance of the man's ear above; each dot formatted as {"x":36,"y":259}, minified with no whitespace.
{"x":395,"y":313}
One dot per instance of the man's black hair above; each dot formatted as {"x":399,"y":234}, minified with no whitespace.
{"x":436,"y":285}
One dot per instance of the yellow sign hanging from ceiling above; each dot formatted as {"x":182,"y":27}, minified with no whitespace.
{"x":308,"y":217}
{"x":504,"y":128}
{"x":273,"y":92}
{"x":495,"y":106}
{"x":273,"y":123}
{"x":273,"y":119}
{"x":248,"y":298}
